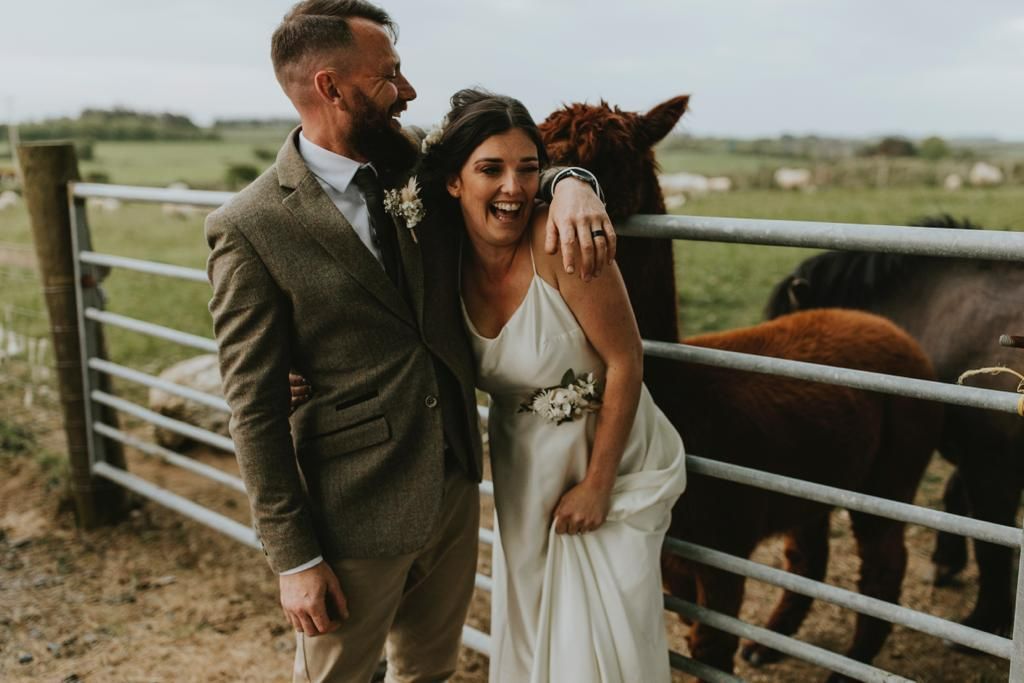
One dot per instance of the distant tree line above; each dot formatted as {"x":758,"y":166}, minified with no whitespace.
{"x":931,"y":148}
{"x":275,"y":123}
{"x":114,"y":124}
{"x":817,"y":148}
{"x":785,"y":146}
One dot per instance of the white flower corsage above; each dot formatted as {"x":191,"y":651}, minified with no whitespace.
{"x":405,"y":203}
{"x":568,"y":400}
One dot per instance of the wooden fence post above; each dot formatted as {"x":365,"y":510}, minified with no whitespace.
{"x":47,"y":168}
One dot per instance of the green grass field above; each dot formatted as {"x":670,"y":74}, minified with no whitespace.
{"x":718,"y":164}
{"x":721,"y":285}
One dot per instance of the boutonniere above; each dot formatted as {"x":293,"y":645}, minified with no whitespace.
{"x":405,"y":203}
{"x":566,"y":401}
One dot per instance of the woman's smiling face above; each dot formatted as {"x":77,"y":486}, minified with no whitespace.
{"x":496,"y":187}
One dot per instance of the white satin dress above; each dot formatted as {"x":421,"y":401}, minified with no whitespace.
{"x":582,"y":607}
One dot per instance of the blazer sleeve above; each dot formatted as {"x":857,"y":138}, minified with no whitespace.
{"x":251,"y":320}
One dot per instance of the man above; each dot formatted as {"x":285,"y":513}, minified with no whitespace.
{"x":366,"y":503}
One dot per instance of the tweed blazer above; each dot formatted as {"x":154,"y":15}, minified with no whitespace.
{"x":358,"y":471}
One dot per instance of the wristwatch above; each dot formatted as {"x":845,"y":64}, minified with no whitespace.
{"x":579,"y":174}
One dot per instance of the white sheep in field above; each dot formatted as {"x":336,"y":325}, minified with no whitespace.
{"x":183,"y":211}
{"x":105,"y":204}
{"x":674,"y":201}
{"x":953,"y":182}
{"x":9,"y":199}
{"x":720,"y":183}
{"x":985,"y":175}
{"x":682,"y":183}
{"x":793,"y":178}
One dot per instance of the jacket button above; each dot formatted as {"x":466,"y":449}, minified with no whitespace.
{"x":430,"y":401}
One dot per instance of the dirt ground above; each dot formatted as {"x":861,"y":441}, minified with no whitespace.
{"x":161,"y":598}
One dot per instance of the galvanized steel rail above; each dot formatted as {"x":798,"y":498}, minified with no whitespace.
{"x":972,"y":397}
{"x":113,"y":369}
{"x":218,"y":522}
{"x":790,"y":646}
{"x":154,"y":195}
{"x":150,"y":267}
{"x":947,"y":243}
{"x":152,"y":329}
{"x":176,"y":426}
{"x":861,"y":502}
{"x":951,"y":243}
{"x":702,"y":671}
{"x":873,"y":607}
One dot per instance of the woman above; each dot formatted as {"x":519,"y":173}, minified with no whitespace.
{"x":585,"y":467}
{"x":584,"y":484}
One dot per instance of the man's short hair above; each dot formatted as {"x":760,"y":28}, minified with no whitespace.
{"x":316,"y":26}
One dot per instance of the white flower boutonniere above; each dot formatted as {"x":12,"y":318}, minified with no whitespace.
{"x":568,"y":400}
{"x":405,"y":203}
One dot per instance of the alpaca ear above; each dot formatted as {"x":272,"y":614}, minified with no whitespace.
{"x":798,"y":292}
{"x":659,"y":122}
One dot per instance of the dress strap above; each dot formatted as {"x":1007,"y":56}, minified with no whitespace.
{"x":529,"y":243}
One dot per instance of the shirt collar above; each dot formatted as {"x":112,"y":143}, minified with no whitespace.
{"x":334,"y":169}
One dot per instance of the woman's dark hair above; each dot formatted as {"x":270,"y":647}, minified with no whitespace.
{"x":476,"y":115}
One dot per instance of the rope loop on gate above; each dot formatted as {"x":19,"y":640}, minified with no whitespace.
{"x":999,"y":370}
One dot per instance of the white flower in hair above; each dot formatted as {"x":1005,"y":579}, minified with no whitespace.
{"x":434,"y":136}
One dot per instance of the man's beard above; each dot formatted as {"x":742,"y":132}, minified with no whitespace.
{"x":375,"y":138}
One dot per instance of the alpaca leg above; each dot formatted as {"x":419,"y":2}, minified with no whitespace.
{"x":993,"y":499}
{"x":722,"y":592}
{"x":678,"y":580}
{"x":950,"y":556}
{"x":807,"y":555}
{"x":883,"y":560}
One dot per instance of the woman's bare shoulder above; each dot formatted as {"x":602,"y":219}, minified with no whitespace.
{"x":549,"y":266}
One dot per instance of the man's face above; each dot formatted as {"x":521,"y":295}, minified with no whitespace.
{"x":376,"y":96}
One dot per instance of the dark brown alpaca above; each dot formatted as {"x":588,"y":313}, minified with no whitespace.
{"x":856,"y":440}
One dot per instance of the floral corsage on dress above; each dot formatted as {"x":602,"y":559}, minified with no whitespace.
{"x":568,"y":400}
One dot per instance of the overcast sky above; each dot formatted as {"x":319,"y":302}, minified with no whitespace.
{"x":753,"y":67}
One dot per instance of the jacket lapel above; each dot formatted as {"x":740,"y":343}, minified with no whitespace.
{"x":318,"y":215}
{"x":412,"y":264}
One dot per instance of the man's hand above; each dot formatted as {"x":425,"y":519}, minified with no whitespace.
{"x":575,"y":213}
{"x":301,"y":390}
{"x":312,"y":600}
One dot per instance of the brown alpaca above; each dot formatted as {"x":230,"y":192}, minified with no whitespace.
{"x":857,"y":440}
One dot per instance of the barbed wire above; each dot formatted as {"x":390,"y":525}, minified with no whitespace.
{"x":28,"y":381}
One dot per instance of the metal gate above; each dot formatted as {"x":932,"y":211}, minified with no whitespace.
{"x":977,"y":244}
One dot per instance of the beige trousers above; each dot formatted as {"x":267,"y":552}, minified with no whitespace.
{"x":413,"y":606}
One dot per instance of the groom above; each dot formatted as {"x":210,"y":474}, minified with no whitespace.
{"x":366,"y":504}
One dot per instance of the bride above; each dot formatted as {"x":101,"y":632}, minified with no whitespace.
{"x":586,"y":468}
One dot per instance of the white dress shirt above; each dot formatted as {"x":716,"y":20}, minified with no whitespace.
{"x":335,"y":172}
